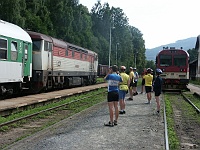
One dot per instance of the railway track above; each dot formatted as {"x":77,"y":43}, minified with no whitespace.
{"x":30,"y":123}
{"x":65,"y":105}
{"x":14,"y":105}
{"x":182,"y":128}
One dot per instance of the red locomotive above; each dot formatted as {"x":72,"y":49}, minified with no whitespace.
{"x":174,"y":64}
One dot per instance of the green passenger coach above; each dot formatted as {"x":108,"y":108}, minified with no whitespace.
{"x":15,"y":58}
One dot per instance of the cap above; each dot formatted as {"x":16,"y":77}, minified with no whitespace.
{"x":131,"y":68}
{"x":134,"y":68}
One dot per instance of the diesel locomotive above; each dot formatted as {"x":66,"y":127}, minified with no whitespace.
{"x":174,"y":64}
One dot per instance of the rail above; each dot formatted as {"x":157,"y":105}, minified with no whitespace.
{"x":49,"y":109}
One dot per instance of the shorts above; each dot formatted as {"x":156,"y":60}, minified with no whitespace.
{"x":113,"y":96}
{"x":122,"y":94}
{"x":135,"y":84}
{"x":143,"y":81}
{"x":148,"y":89}
{"x":157,"y":93}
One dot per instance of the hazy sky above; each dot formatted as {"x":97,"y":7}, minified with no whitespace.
{"x":160,"y":21}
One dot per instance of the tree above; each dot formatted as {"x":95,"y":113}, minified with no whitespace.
{"x":12,"y":11}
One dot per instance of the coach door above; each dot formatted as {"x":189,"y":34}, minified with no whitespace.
{"x":26,"y":60}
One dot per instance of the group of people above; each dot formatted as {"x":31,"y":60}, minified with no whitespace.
{"x":120,"y":83}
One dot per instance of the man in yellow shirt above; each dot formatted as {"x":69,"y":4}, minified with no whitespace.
{"x":131,"y":83}
{"x":148,"y":84}
{"x":123,"y":88}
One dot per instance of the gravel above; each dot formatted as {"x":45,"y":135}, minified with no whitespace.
{"x":139,"y":128}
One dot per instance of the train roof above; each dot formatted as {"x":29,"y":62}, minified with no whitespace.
{"x":58,"y":42}
{"x":36,"y":35}
{"x":172,"y":49}
{"x":13,"y":31}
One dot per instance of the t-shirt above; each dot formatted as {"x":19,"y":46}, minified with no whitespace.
{"x":132,"y":76}
{"x":157,"y":84}
{"x":148,"y":79}
{"x":124,"y":85}
{"x":113,"y":82}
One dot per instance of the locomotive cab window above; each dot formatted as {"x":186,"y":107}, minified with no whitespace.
{"x":14,"y":51}
{"x":36,"y":45}
{"x":165,"y":60}
{"x":3,"y":49}
{"x":179,"y":60}
{"x":47,"y":46}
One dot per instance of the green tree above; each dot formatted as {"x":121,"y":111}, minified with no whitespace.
{"x":12,"y":11}
{"x":193,"y":53}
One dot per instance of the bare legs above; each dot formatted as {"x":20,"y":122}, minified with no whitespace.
{"x":158,"y":103}
{"x":149,"y":97}
{"x":113,"y":108}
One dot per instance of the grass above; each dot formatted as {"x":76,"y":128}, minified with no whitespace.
{"x":173,"y":138}
{"x":76,"y":106}
{"x":197,"y":82}
{"x":100,"y":80}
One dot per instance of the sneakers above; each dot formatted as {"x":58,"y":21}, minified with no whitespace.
{"x":129,"y":99}
{"x":149,"y":102}
{"x":109,"y":124}
{"x":115,"y":122}
{"x":122,"y":112}
{"x":158,"y":112}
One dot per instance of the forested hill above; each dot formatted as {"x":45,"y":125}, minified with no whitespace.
{"x":187,"y":44}
{"x":104,"y":29}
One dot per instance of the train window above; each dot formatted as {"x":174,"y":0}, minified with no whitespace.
{"x":3,"y":49}
{"x":14,"y":51}
{"x":81,"y":55}
{"x":96,"y":58}
{"x":50,"y":46}
{"x":66,"y":52}
{"x":85,"y":56}
{"x":165,"y":60}
{"x":180,"y":60}
{"x":72,"y":53}
{"x":26,"y":52}
{"x":36,"y":45}
{"x":46,"y":46}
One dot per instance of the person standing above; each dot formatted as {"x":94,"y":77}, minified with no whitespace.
{"x":135,"y":82}
{"x":123,"y":88}
{"x":148,"y":84}
{"x":143,"y":80}
{"x":113,"y":96}
{"x":157,"y":87}
{"x":130,"y":86}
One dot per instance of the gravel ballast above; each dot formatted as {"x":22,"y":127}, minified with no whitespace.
{"x":139,"y":128}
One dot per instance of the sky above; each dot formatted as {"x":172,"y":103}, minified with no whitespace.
{"x":160,"y":21}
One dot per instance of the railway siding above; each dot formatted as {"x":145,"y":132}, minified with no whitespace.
{"x":13,"y":105}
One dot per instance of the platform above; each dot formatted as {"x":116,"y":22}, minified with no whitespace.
{"x":138,"y":129}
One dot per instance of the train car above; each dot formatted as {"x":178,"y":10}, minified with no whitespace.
{"x":15,"y":58}
{"x":58,"y":64}
{"x":102,"y":70}
{"x":174,"y":64}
